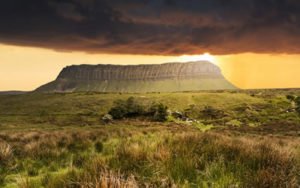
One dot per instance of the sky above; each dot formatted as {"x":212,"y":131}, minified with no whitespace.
{"x":255,"y":42}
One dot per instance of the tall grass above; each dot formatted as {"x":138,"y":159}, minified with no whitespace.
{"x":146,"y":156}
{"x":6,"y":160}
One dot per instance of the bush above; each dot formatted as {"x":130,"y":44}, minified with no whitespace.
{"x":131,"y":108}
{"x":292,"y":97}
{"x":159,"y":112}
{"x":119,"y":110}
{"x":124,"y":109}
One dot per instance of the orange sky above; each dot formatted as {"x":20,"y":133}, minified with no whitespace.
{"x":262,"y":70}
{"x":26,"y":68}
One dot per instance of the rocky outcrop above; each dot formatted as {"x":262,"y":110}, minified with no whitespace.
{"x":141,"y":72}
{"x":200,"y":75}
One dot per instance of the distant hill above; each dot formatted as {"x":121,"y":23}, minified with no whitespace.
{"x":12,"y":92}
{"x":168,"y":77}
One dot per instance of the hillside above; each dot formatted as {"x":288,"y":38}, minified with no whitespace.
{"x":168,"y":77}
{"x":12,"y":92}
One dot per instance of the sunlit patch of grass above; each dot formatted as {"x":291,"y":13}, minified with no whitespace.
{"x":181,"y":158}
{"x":254,"y":125}
{"x":202,"y":127}
{"x":234,"y":123}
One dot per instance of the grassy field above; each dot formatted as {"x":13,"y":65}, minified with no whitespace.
{"x":229,"y":139}
{"x":166,"y":85}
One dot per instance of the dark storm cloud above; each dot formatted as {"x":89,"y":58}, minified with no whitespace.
{"x":153,"y":26}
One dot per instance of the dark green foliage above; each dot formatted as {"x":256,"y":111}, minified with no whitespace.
{"x":291,"y":97}
{"x":131,"y":108}
{"x":134,"y":108}
{"x":119,"y":110}
{"x":159,"y":112}
{"x":126,"y":109}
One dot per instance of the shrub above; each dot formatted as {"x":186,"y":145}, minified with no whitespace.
{"x":124,"y":109}
{"x":119,"y":110}
{"x":159,"y":112}
{"x":133,"y":108}
{"x":291,"y":97}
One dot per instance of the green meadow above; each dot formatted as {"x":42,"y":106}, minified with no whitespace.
{"x":201,"y":139}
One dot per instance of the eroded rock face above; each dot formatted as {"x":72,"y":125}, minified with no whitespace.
{"x":141,"y":72}
{"x":167,"y":77}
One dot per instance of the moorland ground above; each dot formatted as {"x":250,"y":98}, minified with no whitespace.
{"x":208,"y":139}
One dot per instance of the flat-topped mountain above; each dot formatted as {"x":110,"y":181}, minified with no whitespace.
{"x":168,"y":77}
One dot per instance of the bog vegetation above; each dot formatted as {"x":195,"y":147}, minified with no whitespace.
{"x":240,"y":139}
{"x":130,"y":108}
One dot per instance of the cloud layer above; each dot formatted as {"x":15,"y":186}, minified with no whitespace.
{"x":164,"y":27}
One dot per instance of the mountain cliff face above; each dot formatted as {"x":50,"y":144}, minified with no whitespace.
{"x":167,"y":77}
